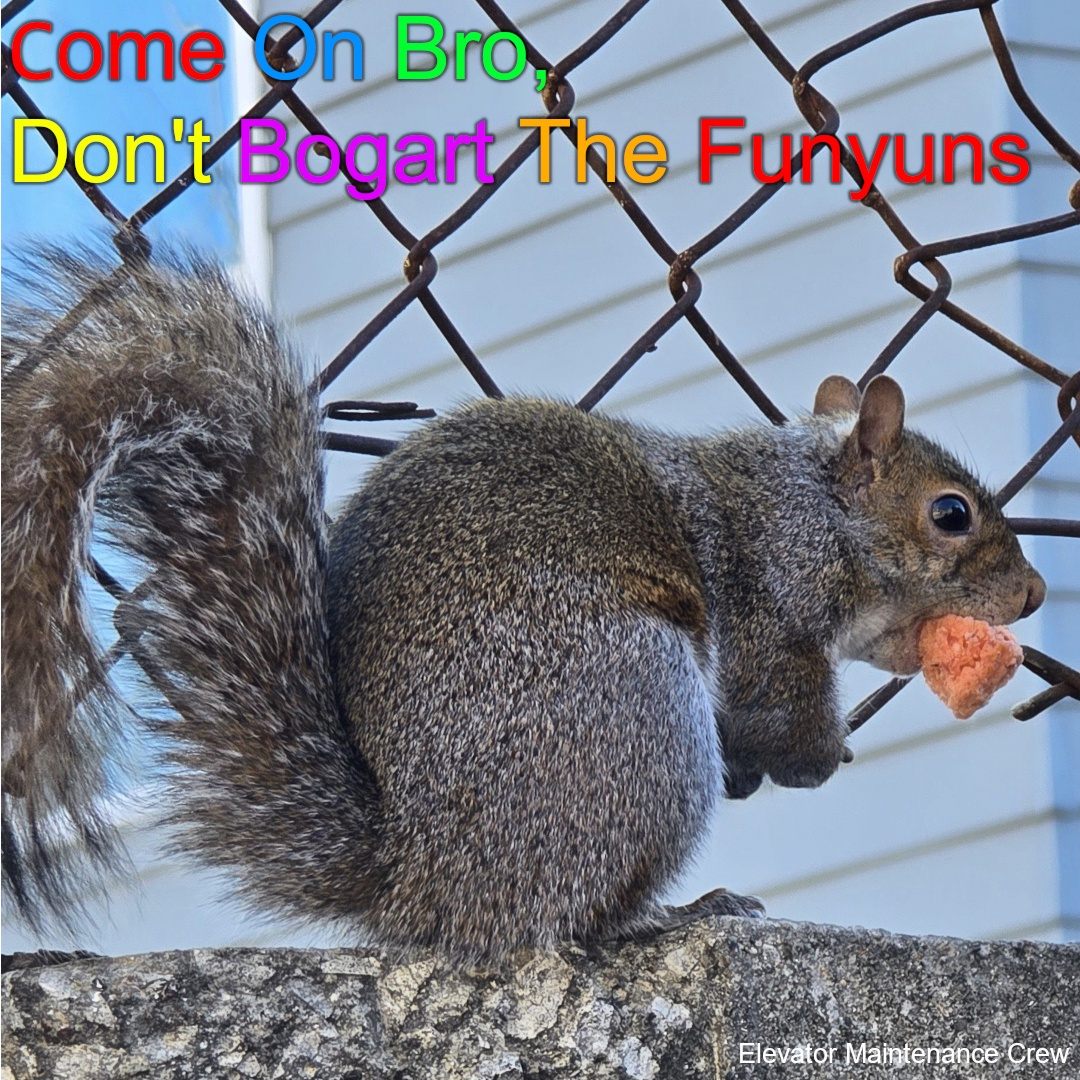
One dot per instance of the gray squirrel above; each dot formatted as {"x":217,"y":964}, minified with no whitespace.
{"x":492,"y":705}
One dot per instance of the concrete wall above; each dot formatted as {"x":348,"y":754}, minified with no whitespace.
{"x":723,"y":999}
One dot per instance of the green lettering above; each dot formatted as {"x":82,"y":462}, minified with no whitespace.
{"x":489,"y":47}
{"x":462,"y":41}
{"x":405,"y":47}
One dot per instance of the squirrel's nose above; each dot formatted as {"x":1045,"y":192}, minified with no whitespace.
{"x":1036,"y":594}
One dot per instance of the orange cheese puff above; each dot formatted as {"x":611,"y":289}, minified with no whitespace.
{"x":965,"y":661}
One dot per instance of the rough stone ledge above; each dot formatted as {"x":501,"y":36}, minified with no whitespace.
{"x":682,"y":1005}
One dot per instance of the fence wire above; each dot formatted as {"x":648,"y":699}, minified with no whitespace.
{"x":421,"y":267}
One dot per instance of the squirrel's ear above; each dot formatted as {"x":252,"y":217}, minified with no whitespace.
{"x":881,"y":417}
{"x":836,"y":394}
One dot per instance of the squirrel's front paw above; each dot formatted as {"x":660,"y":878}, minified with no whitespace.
{"x":809,"y":770}
{"x":740,"y":783}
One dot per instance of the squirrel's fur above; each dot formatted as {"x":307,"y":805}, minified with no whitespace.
{"x":495,"y":707}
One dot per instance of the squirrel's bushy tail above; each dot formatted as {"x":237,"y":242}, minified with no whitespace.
{"x":164,"y":397}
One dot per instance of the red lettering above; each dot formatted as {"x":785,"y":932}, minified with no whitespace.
{"x":201,"y":54}
{"x":63,"y":55}
{"x":16,"y":51}
{"x":1023,"y":166}
{"x":949,"y":143}
{"x":142,"y":48}
{"x":707,"y":149}
{"x":808,"y":144}
{"x":926,"y":174}
{"x":869,"y":170}
{"x":191,"y":54}
{"x":757,"y":161}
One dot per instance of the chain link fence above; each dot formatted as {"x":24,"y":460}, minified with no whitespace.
{"x":558,"y":96}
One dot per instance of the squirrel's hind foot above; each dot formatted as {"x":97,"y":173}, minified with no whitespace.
{"x":660,"y":918}
{"x":717,"y":902}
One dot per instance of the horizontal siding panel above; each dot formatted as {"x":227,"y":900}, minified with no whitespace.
{"x":981,"y":778}
{"x":167,"y":905}
{"x":984,"y":889}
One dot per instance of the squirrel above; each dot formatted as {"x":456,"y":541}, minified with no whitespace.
{"x":491,"y":705}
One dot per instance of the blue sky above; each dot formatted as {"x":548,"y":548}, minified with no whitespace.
{"x":205,"y":215}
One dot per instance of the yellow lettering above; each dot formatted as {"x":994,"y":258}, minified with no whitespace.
{"x":80,"y":158}
{"x":21,"y":175}
{"x":131,"y":144}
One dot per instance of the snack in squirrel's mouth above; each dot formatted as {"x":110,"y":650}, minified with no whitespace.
{"x":965,"y":661}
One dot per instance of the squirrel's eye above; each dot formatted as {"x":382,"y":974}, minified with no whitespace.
{"x":951,"y":514}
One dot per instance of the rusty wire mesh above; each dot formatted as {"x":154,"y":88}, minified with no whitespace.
{"x":421,"y":266}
